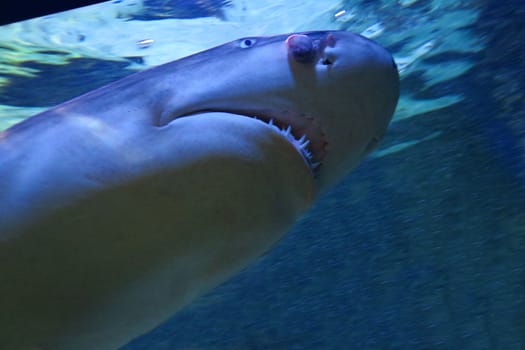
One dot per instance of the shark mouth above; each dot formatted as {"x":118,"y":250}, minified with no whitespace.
{"x":301,"y":144}
{"x":304,"y":132}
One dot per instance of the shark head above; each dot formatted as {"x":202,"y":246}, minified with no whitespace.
{"x":333,"y":89}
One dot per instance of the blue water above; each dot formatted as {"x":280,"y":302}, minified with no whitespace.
{"x":419,"y":249}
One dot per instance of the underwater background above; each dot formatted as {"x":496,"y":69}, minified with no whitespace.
{"x":421,"y":247}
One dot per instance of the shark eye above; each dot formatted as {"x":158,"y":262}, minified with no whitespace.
{"x":246,"y":43}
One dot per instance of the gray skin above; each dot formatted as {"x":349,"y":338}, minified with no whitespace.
{"x":119,"y":207}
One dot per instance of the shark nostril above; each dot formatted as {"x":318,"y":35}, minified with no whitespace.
{"x":300,"y":48}
{"x":326,"y":61}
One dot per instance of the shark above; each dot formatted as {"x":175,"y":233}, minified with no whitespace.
{"x":121,"y":206}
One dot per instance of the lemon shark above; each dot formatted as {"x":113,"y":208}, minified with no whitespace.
{"x":119,"y":207}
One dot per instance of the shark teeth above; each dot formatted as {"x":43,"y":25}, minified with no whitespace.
{"x":301,"y":144}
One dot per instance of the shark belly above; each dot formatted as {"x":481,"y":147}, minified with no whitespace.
{"x":110,"y":265}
